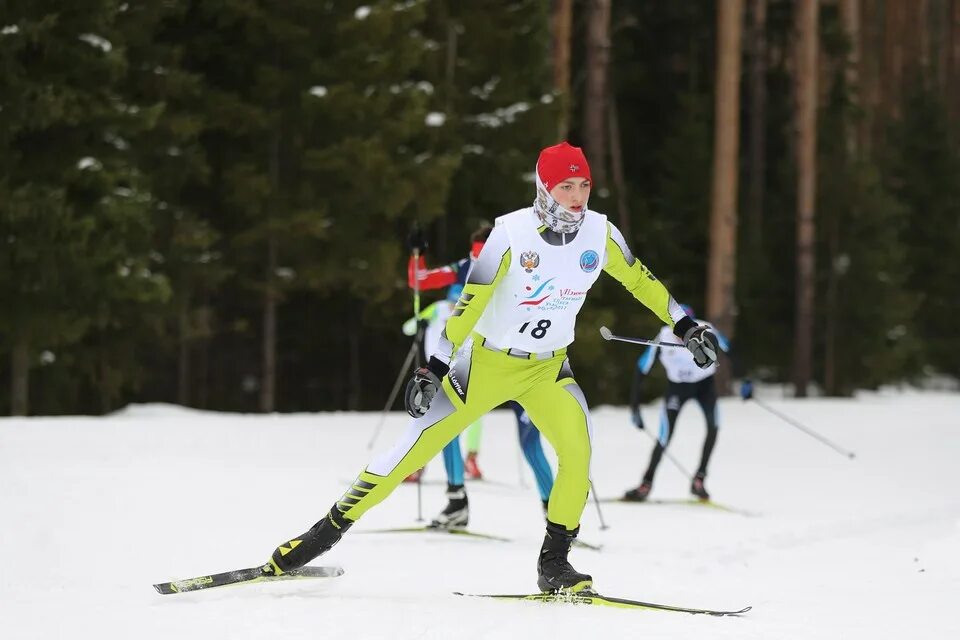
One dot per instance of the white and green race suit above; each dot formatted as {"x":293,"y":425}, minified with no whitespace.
{"x":507,"y":340}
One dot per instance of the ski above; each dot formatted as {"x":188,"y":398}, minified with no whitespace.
{"x":244,"y":576}
{"x":471,"y":534}
{"x":577,"y":542}
{"x":591,"y":598}
{"x":710,"y":504}
{"x":437,"y":530}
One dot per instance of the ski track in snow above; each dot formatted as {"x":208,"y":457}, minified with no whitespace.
{"x":95,"y":510}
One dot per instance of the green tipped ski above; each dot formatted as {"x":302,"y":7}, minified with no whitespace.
{"x":469,"y":534}
{"x":244,"y":576}
{"x":591,"y":598}
{"x":708,"y":504}
{"x":437,"y":530}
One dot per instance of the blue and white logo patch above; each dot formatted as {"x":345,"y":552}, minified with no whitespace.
{"x":589,"y":260}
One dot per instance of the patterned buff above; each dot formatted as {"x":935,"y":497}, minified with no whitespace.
{"x":556,"y":164}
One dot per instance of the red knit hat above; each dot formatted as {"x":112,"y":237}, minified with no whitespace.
{"x":559,"y":162}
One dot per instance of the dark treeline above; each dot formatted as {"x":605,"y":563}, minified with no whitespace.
{"x":205,"y":202}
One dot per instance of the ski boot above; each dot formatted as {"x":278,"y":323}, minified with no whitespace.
{"x":297,"y":552}
{"x":639,"y":494}
{"x":470,"y":466}
{"x":697,"y":488}
{"x":555,"y":574}
{"x":456,"y":514}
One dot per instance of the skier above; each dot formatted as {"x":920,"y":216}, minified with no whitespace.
{"x":456,"y":514}
{"x":507,"y":340}
{"x":686,"y":381}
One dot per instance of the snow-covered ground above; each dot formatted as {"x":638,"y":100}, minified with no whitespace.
{"x":95,"y":510}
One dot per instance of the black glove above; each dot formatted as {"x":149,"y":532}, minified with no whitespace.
{"x":637,"y":418}
{"x":746,"y":389}
{"x":423,"y":386}
{"x":702,"y":343}
{"x":416,"y":241}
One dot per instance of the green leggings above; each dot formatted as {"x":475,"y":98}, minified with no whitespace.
{"x":480,"y":380}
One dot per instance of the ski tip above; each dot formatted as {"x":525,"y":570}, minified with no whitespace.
{"x":605,"y":333}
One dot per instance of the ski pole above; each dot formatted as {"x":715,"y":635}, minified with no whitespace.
{"x":609,"y":335}
{"x":808,"y":431}
{"x":417,"y":341}
{"x":668,"y":455}
{"x":596,"y":501}
{"x":404,"y":372}
{"x":420,"y":495}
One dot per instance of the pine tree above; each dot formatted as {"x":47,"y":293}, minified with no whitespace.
{"x":73,"y":207}
{"x":923,"y":171}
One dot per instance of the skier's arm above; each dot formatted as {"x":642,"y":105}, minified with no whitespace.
{"x":485,"y":274}
{"x":418,"y":276}
{"x":642,"y":284}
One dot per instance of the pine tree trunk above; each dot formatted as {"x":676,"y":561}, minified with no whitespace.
{"x":870,"y":93}
{"x":561,"y":23}
{"x":850,"y":16}
{"x":941,"y":19}
{"x":953,"y":71}
{"x":806,"y":83}
{"x":721,"y":271}
{"x":183,"y":358}
{"x":595,"y":104}
{"x":268,"y":383}
{"x":355,"y":395}
{"x":616,"y":164}
{"x":202,"y":377}
{"x":894,"y":56}
{"x":20,"y":377}
{"x":758,"y":106}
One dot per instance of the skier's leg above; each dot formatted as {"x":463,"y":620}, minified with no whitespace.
{"x":453,"y":462}
{"x":456,"y":513}
{"x":532,"y":449}
{"x":560,"y":410}
{"x":559,"y":407}
{"x":668,"y":420}
{"x":450,"y":412}
{"x":707,"y":397}
{"x":474,"y":431}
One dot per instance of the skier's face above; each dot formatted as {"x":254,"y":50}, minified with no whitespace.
{"x":572,"y":194}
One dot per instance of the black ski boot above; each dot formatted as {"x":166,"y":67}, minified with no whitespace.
{"x":639,"y":494}
{"x":456,"y":514}
{"x":295,"y":553}
{"x":555,"y":572}
{"x":697,"y":488}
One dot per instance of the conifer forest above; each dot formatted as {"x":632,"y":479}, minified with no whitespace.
{"x":207,"y":202}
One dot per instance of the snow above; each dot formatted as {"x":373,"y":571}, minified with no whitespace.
{"x":96,"y":41}
{"x":318,"y":91}
{"x":94,"y":510}
{"x":361,"y":12}
{"x":88,"y":162}
{"x":10,"y":30}
{"x":500,"y":117}
{"x":435,"y":119}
